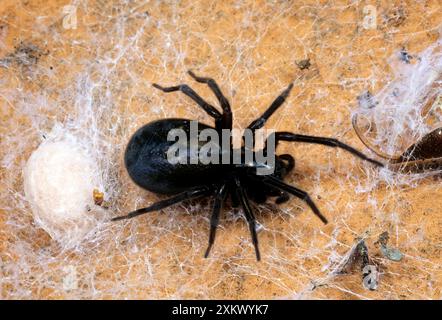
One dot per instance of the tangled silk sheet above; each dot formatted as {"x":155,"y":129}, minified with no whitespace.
{"x":79,"y":74}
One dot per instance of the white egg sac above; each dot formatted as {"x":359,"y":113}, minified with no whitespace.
{"x":59,"y":179}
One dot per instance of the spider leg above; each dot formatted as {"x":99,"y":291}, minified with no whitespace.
{"x":331,"y":142}
{"x":197,"y":192}
{"x":259,"y":122}
{"x":283,"y":197}
{"x":234,"y":199}
{"x":274,"y":182}
{"x":225,"y":105}
{"x":249,"y":215}
{"x":290,"y":162}
{"x":184,"y":88}
{"x":220,"y":197}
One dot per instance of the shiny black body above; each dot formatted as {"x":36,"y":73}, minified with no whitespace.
{"x":149,"y":167}
{"x":147,"y":163}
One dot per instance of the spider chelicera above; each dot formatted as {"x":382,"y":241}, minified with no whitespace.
{"x":148,"y":165}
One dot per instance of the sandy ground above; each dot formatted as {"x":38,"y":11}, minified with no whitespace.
{"x":253,"y":49}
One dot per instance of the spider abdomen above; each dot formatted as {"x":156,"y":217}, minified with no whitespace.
{"x":146,"y":159}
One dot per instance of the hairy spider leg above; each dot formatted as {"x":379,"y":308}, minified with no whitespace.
{"x":184,"y":88}
{"x":251,"y":220}
{"x":259,"y":122}
{"x":220,"y":197}
{"x":288,"y":164}
{"x":227,"y":118}
{"x":274,"y":182}
{"x":283,"y":197}
{"x":290,"y":161}
{"x":331,"y":142}
{"x":190,"y":194}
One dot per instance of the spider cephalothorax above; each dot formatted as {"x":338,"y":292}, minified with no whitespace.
{"x":148,"y":165}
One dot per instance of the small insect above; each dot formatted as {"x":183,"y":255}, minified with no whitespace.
{"x":423,"y":155}
{"x":147,"y":164}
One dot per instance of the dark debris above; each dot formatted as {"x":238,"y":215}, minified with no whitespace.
{"x":390,"y":253}
{"x":405,"y":56}
{"x":303,"y":64}
{"x":366,"y":100}
{"x":25,"y":54}
{"x":360,"y":257}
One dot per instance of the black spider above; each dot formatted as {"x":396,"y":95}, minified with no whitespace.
{"x":148,"y":165}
